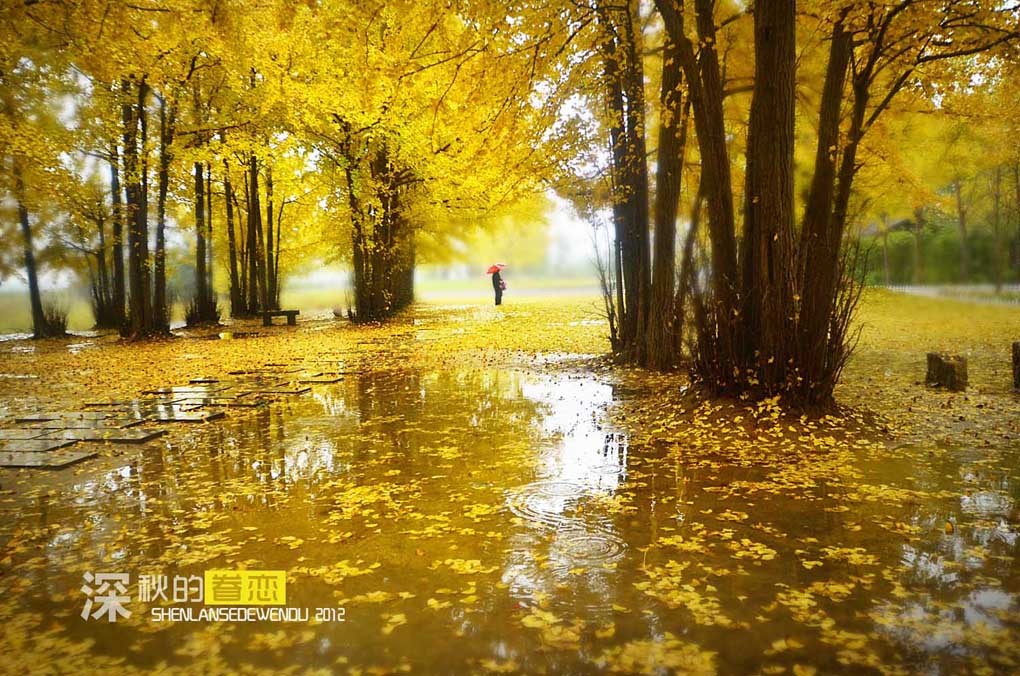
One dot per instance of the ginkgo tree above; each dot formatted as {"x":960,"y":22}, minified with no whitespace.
{"x":773,"y":308}
{"x":416,"y":114}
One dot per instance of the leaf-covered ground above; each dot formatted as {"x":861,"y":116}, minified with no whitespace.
{"x":483,"y":492}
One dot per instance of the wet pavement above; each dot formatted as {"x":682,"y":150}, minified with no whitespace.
{"x":513,"y":521}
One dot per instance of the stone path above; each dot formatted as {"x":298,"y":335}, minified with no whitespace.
{"x":58,"y":439}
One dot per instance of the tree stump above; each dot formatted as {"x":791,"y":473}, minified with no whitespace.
{"x":948,"y":371}
{"x":1016,"y":366}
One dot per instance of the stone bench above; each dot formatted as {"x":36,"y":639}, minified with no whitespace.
{"x":948,"y":371}
{"x":291,"y":315}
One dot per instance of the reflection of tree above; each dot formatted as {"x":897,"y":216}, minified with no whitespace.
{"x":983,"y":520}
{"x":410,"y":412}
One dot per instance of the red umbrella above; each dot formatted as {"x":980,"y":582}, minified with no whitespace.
{"x":495,"y":267}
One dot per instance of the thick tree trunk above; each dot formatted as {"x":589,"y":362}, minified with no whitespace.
{"x":133,"y":114}
{"x":816,"y":228}
{"x":822,"y":227}
{"x":382,"y":246}
{"x":661,"y":351}
{"x":636,"y":246}
{"x":768,"y":251}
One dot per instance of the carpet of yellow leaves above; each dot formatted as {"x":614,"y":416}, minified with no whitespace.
{"x":731,"y":537}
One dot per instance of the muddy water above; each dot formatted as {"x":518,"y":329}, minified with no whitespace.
{"x":480,"y":520}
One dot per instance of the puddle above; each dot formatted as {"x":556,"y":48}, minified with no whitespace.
{"x":233,"y":335}
{"x":468,"y":501}
{"x":5,"y":337}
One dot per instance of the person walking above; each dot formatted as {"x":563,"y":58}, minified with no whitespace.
{"x":498,"y":285}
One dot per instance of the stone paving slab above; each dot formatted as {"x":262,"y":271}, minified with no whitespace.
{"x":39,"y":443}
{"x":52,"y":460}
{"x":186,"y":390}
{"x":73,"y":424}
{"x":33,"y":445}
{"x":21,"y":433}
{"x":138,"y":409}
{"x":228,"y":402}
{"x":282,"y":390}
{"x":184,"y":416}
{"x":129,"y":404}
{"x":132,"y":436}
{"x":232,"y":391}
{"x":63,"y":415}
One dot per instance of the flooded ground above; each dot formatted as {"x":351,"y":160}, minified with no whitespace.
{"x":525,"y":520}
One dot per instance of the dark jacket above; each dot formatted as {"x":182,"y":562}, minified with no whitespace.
{"x":496,"y":279}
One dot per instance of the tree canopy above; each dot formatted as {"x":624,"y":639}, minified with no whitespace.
{"x":734,"y":150}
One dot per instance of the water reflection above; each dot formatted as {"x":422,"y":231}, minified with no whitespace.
{"x":468,"y":500}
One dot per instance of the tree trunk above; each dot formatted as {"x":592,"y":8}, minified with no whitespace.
{"x":270,"y":265}
{"x":625,"y":82}
{"x":918,"y":245}
{"x":201,"y":278}
{"x":40,"y":327}
{"x":103,"y":297}
{"x":614,"y":105}
{"x":247,"y":276}
{"x":1016,"y":201}
{"x":817,"y":224}
{"x":119,"y":290}
{"x":961,"y":224}
{"x":997,"y":226}
{"x":636,"y":248}
{"x":719,"y":349}
{"x":256,"y":285}
{"x":211,"y":302}
{"x":767,"y":248}
{"x":661,"y":352}
{"x":236,"y":307}
{"x":821,"y":229}
{"x":686,"y":282}
{"x":276,"y":259}
{"x":885,"y":253}
{"x":159,"y":301}
{"x":140,"y":325}
{"x":143,"y":207}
